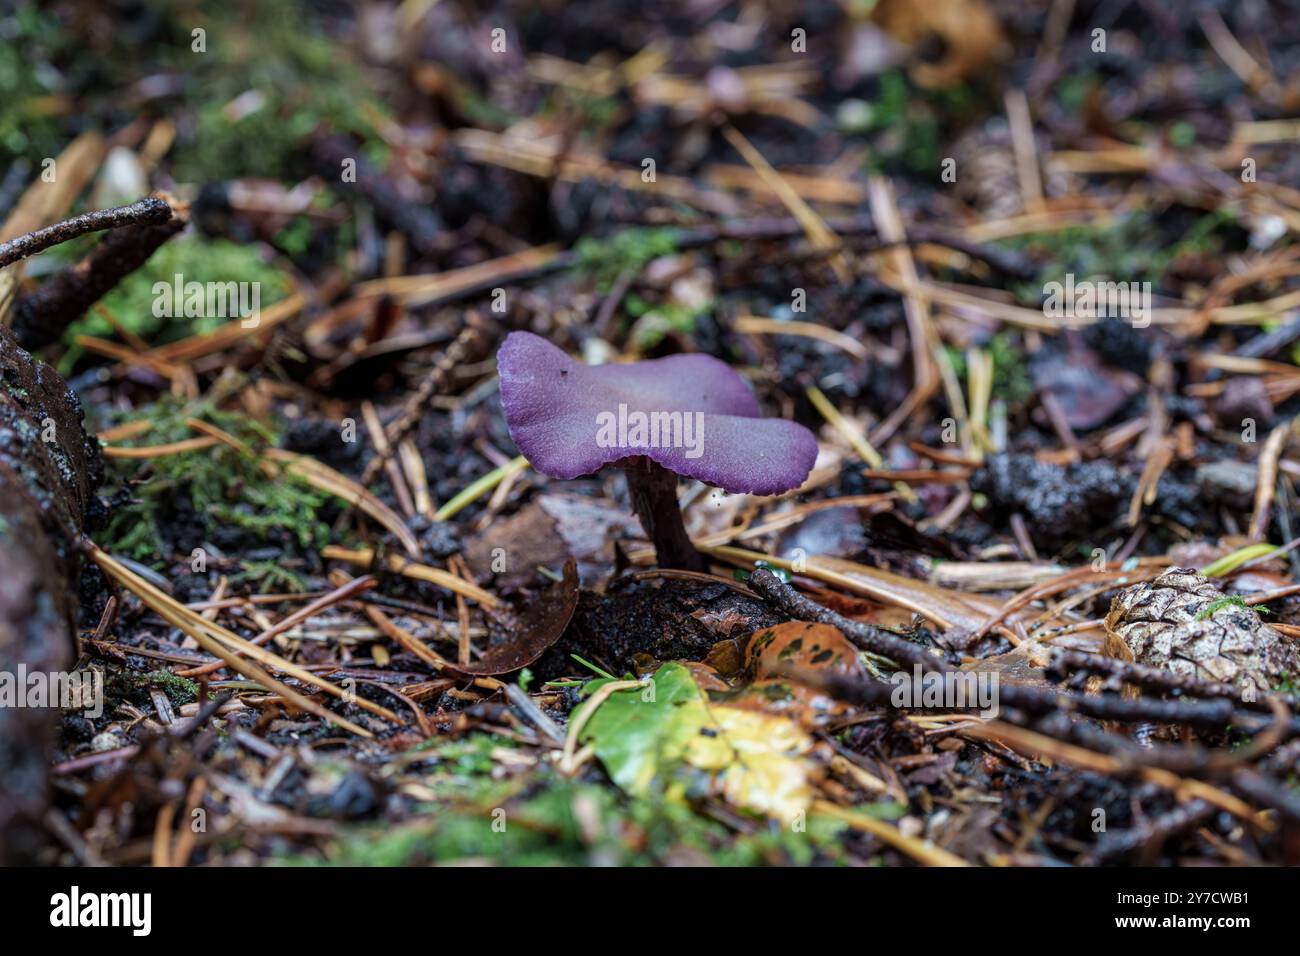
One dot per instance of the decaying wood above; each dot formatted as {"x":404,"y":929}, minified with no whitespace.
{"x":49,"y":469}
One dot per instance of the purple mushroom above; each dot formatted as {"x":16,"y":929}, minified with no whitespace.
{"x":686,"y":415}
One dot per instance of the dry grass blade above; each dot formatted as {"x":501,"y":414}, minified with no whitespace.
{"x":419,"y":289}
{"x":230,"y":334}
{"x":218,"y":642}
{"x":408,"y":641}
{"x":127,"y":356}
{"x":160,"y":451}
{"x":416,"y":477}
{"x":541,"y":160}
{"x":757,"y":325}
{"x":365,"y":557}
{"x":945,"y":608}
{"x":923,"y":851}
{"x":1269,"y":456}
{"x":322,"y":476}
{"x":348,"y":590}
{"x":930,"y":365}
{"x":479,"y":487}
{"x":818,"y":232}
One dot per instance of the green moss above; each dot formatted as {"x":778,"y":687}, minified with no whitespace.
{"x":223,"y":486}
{"x":1221,"y":603}
{"x":276,"y":52}
{"x":542,"y":828}
{"x":1072,"y":90}
{"x":594,"y":112}
{"x":1182,"y":134}
{"x":605,"y":259}
{"x":302,"y":79}
{"x":195,"y":259}
{"x":482,"y":112}
{"x":30,"y":127}
{"x":179,"y":690}
{"x":906,"y":123}
{"x":269,"y":577}
{"x":1132,"y":248}
{"x":658,"y":322}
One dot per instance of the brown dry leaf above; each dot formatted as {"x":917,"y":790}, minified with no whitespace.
{"x":971,"y":33}
{"x":1025,"y":664}
{"x":536,"y":630}
{"x":801,"y":645}
{"x":529,"y":531}
{"x":769,"y":653}
{"x":322,"y":476}
{"x":1087,"y":392}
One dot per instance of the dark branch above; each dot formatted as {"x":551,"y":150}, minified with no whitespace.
{"x":41,"y":316}
{"x":874,"y":639}
{"x":143,"y":212}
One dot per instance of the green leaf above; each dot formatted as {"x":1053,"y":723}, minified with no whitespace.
{"x":638,"y":731}
{"x":1230,"y":562}
{"x":666,"y":737}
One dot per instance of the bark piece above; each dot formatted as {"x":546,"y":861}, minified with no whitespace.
{"x":49,"y":469}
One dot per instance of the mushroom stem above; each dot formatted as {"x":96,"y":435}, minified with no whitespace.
{"x":653,"y":489}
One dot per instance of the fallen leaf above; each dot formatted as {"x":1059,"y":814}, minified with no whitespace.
{"x":533,"y":633}
{"x":1087,"y":393}
{"x":636,"y":732}
{"x":669,"y":733}
{"x":529,"y":531}
{"x":970,"y":32}
{"x":807,"y":706}
{"x":801,"y":645}
{"x":755,"y":760}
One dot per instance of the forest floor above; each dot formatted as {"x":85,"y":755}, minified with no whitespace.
{"x":892,"y":219}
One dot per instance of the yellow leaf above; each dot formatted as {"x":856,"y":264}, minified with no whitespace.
{"x":756,"y":761}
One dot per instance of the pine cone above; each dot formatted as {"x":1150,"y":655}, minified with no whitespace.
{"x":1182,"y":622}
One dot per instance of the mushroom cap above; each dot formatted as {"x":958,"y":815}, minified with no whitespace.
{"x":555,"y":408}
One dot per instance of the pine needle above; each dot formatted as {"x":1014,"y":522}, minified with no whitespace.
{"x":221,"y":643}
{"x":480,"y":487}
{"x":364,"y":557}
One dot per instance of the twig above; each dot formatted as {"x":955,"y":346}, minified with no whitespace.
{"x":535,"y":715}
{"x":364,"y":557}
{"x":1158,"y":830}
{"x":1208,"y":713}
{"x":40,"y":317}
{"x":776,"y":592}
{"x":467,"y":343}
{"x":1152,"y":678}
{"x":344,"y":593}
{"x":143,"y":212}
